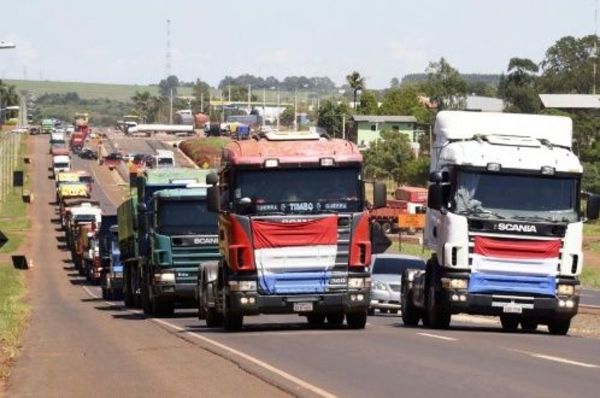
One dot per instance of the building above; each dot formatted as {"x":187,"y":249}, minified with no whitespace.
{"x":478,"y":103}
{"x":570,"y":101}
{"x":369,"y":127}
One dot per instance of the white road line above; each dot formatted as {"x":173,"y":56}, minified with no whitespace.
{"x":556,"y":359}
{"x":437,"y":336}
{"x":310,"y":387}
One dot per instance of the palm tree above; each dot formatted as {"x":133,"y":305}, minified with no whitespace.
{"x":356,"y":83}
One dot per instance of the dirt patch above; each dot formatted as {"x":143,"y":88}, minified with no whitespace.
{"x":205,"y":152}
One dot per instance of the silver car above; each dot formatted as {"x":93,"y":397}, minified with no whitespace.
{"x":386,"y":276}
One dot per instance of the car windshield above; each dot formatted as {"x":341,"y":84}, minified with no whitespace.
{"x":61,"y":165}
{"x":184,"y":217}
{"x":494,"y":195}
{"x":300,"y":190}
{"x":164,"y":161}
{"x":86,"y":179}
{"x":396,"y":266}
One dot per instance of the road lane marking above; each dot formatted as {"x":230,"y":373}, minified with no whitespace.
{"x":437,"y":336}
{"x":304,"y":384}
{"x":556,"y":359}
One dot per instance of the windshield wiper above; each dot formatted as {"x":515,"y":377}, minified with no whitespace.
{"x":481,"y":213}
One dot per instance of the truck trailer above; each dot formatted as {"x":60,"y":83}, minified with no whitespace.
{"x":294,"y":233}
{"x":165,"y":232}
{"x":503,"y":222}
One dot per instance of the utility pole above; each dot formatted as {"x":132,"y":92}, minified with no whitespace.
{"x":249,"y":98}
{"x":229,"y":94}
{"x":296,"y":109}
{"x":595,"y":50}
{"x":171,"y":107}
{"x":278,"y":108}
{"x":264,"y":105}
{"x":344,"y":126}
{"x":202,"y":102}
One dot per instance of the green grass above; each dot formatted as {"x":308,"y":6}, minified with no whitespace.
{"x":14,"y":222}
{"x":13,"y":315}
{"x":119,"y":92}
{"x":412,"y":249}
{"x":590,"y":277}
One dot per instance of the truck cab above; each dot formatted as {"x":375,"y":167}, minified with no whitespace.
{"x":60,"y":163}
{"x":163,"y":159}
{"x":294,"y":233}
{"x":503,"y":222}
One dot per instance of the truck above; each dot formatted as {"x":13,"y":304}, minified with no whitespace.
{"x":165,"y":232}
{"x":111,"y":279}
{"x":81,"y":123}
{"x":503,"y":223}
{"x":295,"y":237}
{"x":60,"y":163}
{"x":77,"y":141}
{"x":163,"y":159}
{"x":407,"y":200}
{"x":47,"y":126}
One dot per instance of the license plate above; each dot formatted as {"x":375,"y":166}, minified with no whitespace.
{"x":512,"y":308}
{"x":303,"y":307}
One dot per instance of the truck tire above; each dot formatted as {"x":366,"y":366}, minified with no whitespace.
{"x":162,"y":308}
{"x":529,"y":325}
{"x":233,"y":322}
{"x":127,"y":288}
{"x":147,"y":306}
{"x":559,"y":327}
{"x":335,"y":318}
{"x":510,"y":323}
{"x":315,"y":319}
{"x":105,"y":293}
{"x":437,"y":315}
{"x":386,"y":227}
{"x":410,"y":314}
{"x":213,"y":318}
{"x":356,"y":320}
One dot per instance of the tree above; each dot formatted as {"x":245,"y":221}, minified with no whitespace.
{"x":388,"y":157}
{"x":394,"y":83}
{"x":567,"y":66}
{"x":518,"y":88}
{"x":368,"y":104}
{"x":166,"y":85}
{"x":8,"y":95}
{"x":481,"y":88}
{"x":286,"y":117}
{"x":356,"y":83}
{"x":239,"y":94}
{"x":404,"y":101}
{"x":445,"y":86}
{"x":201,"y":93}
{"x":331,"y":116}
{"x":146,"y":105}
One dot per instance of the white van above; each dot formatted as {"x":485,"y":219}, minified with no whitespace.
{"x":58,"y":137}
{"x":163,"y":159}
{"x":60,"y":163}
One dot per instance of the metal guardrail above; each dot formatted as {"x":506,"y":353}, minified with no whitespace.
{"x":9,"y":160}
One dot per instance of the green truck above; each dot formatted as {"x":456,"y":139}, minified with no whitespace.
{"x":47,"y":126}
{"x":165,"y":233}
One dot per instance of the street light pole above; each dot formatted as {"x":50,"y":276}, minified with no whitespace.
{"x":278,"y":107}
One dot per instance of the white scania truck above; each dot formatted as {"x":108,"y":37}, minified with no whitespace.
{"x":503,"y":221}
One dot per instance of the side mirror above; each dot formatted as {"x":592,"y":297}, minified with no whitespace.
{"x":379,"y":241}
{"x":592,"y":208}
{"x":379,"y":195}
{"x":435,"y":177}
{"x":142,"y":208}
{"x":212,"y":179}
{"x":435,"y":196}
{"x":212,"y":197}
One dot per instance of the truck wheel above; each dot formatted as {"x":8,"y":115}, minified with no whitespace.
{"x":127,"y":288}
{"x":116,"y":294}
{"x":233,"y":322}
{"x":371,"y":311}
{"x":315,"y":319}
{"x":105,"y":294}
{"x":529,"y":325}
{"x":335,"y":318}
{"x":147,"y":304}
{"x":356,"y":320}
{"x":509,"y":323}
{"x":559,"y":326}
{"x":386,"y":227}
{"x":213,"y":318}
{"x":410,"y":314}
{"x":162,"y":308}
{"x":438,"y":316}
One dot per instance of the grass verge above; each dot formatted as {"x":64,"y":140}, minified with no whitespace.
{"x":412,"y":249}
{"x":14,"y":222}
{"x":590,"y":277}
{"x":14,"y":311}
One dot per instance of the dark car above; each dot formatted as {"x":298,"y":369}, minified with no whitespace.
{"x":88,"y":153}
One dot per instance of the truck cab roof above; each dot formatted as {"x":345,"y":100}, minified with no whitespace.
{"x":175,"y":176}
{"x":181,"y":193}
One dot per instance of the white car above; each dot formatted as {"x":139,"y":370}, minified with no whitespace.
{"x":386,"y":280}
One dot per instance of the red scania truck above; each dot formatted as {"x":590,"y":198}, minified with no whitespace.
{"x":293,"y":232}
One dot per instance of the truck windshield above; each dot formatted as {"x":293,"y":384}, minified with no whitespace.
{"x":299,"y":191}
{"x":185,"y":217}
{"x":61,"y":165}
{"x":526,"y":197}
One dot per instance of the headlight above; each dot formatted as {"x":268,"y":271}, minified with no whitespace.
{"x":448,"y":283}
{"x":378,"y":285}
{"x":165,"y":277}
{"x":358,"y":283}
{"x":242,"y":286}
{"x":566,"y":290}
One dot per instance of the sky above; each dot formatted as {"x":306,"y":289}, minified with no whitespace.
{"x":125,"y":41}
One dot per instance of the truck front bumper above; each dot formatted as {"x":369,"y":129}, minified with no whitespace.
{"x":253,"y":303}
{"x":184,"y":293}
{"x":502,"y":304}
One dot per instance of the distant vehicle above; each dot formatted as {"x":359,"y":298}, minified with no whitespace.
{"x":212,"y":129}
{"x":386,"y":277}
{"x":60,"y":163}
{"x":112,"y":267}
{"x":112,"y":160}
{"x":88,"y":153}
{"x":163,"y":159}
{"x":34,"y":130}
{"x":70,"y":130}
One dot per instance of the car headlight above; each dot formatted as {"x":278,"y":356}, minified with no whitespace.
{"x":566,"y":290}
{"x":378,"y":285}
{"x":165,"y":277}
{"x":358,"y":283}
{"x":242,"y":286}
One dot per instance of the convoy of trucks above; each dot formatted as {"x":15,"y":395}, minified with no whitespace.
{"x":503,"y":222}
{"x":165,"y":231}
{"x":294,"y":233}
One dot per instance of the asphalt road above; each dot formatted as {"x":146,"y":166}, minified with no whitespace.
{"x":590,"y":297}
{"x":80,"y":345}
